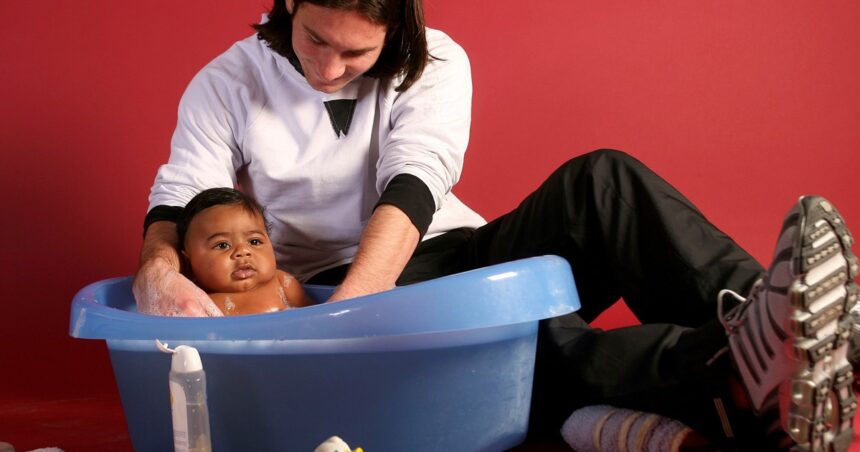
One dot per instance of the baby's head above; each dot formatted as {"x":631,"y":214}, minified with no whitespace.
{"x":223,"y":236}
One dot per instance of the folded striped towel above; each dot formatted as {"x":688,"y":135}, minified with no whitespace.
{"x":606,"y":428}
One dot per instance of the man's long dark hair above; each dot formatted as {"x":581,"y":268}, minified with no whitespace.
{"x":405,"y":50}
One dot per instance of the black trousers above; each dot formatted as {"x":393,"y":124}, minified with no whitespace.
{"x":626,"y":233}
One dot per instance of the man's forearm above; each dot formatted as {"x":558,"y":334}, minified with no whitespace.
{"x":387,"y":244}
{"x":161,"y":242}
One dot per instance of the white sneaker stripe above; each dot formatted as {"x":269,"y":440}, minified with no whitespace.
{"x":822,"y":239}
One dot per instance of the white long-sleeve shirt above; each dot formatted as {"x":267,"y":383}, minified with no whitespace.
{"x":249,"y":118}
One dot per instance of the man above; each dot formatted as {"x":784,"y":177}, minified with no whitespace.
{"x":348,"y":122}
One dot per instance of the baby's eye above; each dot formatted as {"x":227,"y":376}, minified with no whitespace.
{"x":221,"y":246}
{"x":255,"y":242}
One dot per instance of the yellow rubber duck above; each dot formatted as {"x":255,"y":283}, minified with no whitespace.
{"x":335,"y":444}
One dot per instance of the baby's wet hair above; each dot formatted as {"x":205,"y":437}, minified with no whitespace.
{"x":221,"y":196}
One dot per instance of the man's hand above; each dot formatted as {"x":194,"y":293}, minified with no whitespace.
{"x":161,"y":290}
{"x":387,"y":244}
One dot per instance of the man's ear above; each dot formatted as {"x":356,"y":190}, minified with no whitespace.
{"x":289,"y":6}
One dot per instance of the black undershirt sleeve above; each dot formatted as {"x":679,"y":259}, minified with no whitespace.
{"x":411,"y":195}
{"x":161,"y":213}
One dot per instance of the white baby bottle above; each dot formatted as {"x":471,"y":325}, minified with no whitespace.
{"x":187,"y":382}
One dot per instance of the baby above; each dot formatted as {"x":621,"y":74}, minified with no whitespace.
{"x":225,"y":243}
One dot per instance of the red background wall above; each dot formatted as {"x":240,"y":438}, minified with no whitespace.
{"x":741,"y":106}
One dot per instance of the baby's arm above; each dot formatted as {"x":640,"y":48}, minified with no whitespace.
{"x":296,"y":295}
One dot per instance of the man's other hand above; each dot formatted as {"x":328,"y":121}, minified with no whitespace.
{"x":161,"y":290}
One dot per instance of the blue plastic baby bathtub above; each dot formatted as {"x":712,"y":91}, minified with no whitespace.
{"x":444,"y":365}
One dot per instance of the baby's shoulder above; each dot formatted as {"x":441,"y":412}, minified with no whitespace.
{"x":284,"y":278}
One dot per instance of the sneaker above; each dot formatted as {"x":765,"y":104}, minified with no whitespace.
{"x":789,"y":337}
{"x":854,"y":346}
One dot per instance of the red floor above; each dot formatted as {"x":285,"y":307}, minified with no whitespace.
{"x":94,"y":423}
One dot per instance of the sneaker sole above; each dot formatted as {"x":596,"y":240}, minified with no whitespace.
{"x":822,"y":403}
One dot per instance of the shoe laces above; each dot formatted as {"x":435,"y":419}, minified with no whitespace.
{"x":732,"y":319}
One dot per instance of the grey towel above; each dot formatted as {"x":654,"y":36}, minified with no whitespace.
{"x":606,"y":428}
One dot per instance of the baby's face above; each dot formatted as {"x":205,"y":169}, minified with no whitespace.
{"x":229,"y":250}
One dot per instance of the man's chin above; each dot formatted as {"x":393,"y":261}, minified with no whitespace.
{"x":327,"y":89}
